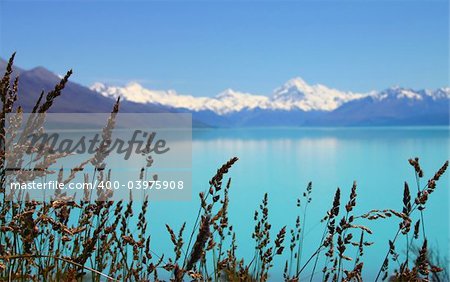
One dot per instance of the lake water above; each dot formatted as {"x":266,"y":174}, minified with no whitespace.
{"x":281,"y":161}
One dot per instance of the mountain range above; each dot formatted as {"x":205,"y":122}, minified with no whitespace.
{"x":295,"y":103}
{"x":295,"y":94}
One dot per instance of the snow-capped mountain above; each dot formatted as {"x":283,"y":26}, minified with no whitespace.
{"x":298,"y":103}
{"x":295,"y":94}
{"x":405,"y":93}
{"x":293,"y":104}
{"x":226,"y":102}
{"x":394,"y":106}
{"x":75,"y":98}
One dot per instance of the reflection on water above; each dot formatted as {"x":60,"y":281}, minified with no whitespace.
{"x":282,"y":161}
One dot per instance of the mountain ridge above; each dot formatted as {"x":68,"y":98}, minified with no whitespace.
{"x":75,"y":97}
{"x":295,"y":94}
{"x":295,"y":103}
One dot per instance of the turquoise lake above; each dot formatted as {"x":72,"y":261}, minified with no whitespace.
{"x":281,"y":162}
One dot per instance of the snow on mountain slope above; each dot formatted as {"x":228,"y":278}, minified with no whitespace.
{"x":295,"y":94}
{"x":226,"y":102}
{"x":441,"y":93}
{"x":398,"y":93}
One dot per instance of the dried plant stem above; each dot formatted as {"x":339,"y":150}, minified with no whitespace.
{"x":421,"y":211}
{"x":387,"y":254}
{"x":14,"y":257}
{"x":316,"y":254}
{"x":300,"y":245}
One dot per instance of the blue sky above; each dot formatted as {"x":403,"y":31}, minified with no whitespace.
{"x":203,"y":47}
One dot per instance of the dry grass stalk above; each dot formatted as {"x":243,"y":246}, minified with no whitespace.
{"x":103,"y":240}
